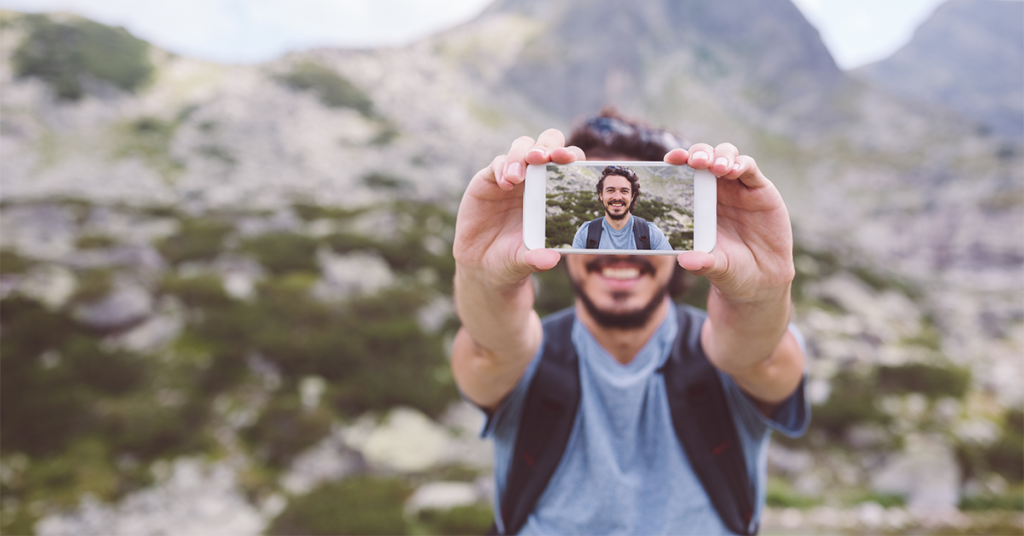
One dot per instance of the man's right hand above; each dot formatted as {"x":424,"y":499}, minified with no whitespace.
{"x":493,"y":296}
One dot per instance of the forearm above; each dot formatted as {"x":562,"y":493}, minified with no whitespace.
{"x":500,"y":333}
{"x":749,"y":340}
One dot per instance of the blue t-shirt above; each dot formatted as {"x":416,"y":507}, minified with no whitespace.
{"x":624,"y":470}
{"x":621,"y":239}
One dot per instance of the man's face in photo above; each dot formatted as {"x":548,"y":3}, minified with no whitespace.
{"x":616,"y":194}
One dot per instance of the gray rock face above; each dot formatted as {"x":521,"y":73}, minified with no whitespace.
{"x":587,"y":54}
{"x":128,"y":303}
{"x":926,"y":473}
{"x":966,"y":49}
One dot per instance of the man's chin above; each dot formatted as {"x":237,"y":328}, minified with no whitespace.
{"x":621,"y":318}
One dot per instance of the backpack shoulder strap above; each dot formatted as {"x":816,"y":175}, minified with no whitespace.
{"x":594,"y":233}
{"x":704,"y":426}
{"x":549,"y":413}
{"x":641,"y":233}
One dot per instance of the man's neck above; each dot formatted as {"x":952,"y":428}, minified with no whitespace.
{"x":617,"y":224}
{"x":623,"y":344}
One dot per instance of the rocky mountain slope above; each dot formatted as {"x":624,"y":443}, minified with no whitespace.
{"x":260,"y":250}
{"x":968,"y":55}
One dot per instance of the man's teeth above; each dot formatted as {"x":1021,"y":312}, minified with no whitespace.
{"x":621,"y":273}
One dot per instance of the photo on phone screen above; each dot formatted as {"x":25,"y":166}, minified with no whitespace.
{"x":660,"y":216}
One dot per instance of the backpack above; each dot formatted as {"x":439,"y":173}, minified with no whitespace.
{"x":700,"y":416}
{"x":642,"y":238}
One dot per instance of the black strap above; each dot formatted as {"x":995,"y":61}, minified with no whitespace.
{"x":705,"y":427}
{"x":641,"y":233}
{"x":700,"y":415}
{"x":594,"y":233}
{"x":548,"y":416}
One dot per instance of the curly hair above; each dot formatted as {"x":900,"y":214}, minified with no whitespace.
{"x":628,"y":174}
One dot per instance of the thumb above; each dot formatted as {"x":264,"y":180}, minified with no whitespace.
{"x":542,"y":260}
{"x":697,"y":262}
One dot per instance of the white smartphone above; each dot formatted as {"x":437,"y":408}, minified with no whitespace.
{"x":590,"y":207}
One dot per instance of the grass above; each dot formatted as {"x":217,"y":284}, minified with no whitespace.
{"x":333,"y":90}
{"x":361,"y":505}
{"x":66,"y":53}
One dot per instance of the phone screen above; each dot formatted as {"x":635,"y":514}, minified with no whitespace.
{"x":637,"y":206}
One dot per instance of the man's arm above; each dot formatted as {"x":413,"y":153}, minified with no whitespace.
{"x":751,"y":271}
{"x":493,"y":293}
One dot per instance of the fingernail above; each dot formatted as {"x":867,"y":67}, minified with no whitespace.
{"x":721,"y":161}
{"x":539,"y":151}
{"x":735,"y":166}
{"x":514,"y":169}
{"x":699,"y":155}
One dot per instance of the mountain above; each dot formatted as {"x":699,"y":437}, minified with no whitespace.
{"x":969,"y":56}
{"x":581,"y":55}
{"x":265,"y":248}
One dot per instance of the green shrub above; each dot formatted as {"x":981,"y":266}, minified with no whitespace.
{"x":933,"y":381}
{"x":333,"y":90}
{"x":64,"y":53}
{"x":1004,"y":457}
{"x":149,"y":138}
{"x":462,"y":520}
{"x":202,"y":291}
{"x":286,"y":428}
{"x":1009,"y":501}
{"x":11,"y":262}
{"x":95,"y":241}
{"x":283,"y":252}
{"x":198,"y":239}
{"x":360,"y":505}
{"x":309,"y":211}
{"x":385,"y":181}
{"x":852,"y":401}
{"x":93,"y":285}
{"x":388,"y":133}
{"x":779,"y":494}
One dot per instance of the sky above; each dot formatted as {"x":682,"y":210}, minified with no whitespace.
{"x":856,"y":32}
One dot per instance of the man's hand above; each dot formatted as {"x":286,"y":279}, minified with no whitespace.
{"x":493,"y":295}
{"x":751,"y":270}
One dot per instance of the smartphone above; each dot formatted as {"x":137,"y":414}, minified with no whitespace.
{"x":589,"y":207}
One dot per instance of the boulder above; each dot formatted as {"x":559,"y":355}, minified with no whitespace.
{"x":128,"y":303}
{"x":926,"y":473}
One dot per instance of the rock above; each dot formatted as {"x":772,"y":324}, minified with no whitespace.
{"x":407,"y":441}
{"x":926,"y":472}
{"x":432,"y":316}
{"x":129,"y":302}
{"x":154,"y":333}
{"x":354,"y":273}
{"x":50,"y":284}
{"x":195,"y":498}
{"x":442,"y":496}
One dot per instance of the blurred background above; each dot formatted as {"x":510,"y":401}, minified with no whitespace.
{"x":225,"y":248}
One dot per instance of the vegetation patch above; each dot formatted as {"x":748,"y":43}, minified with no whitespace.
{"x":283,"y":252}
{"x":361,"y":505}
{"x":852,"y":401}
{"x":11,"y":262}
{"x":149,"y":138}
{"x":68,"y":53}
{"x":780,"y":494}
{"x":385,"y":181}
{"x":933,"y":381}
{"x":95,"y":241}
{"x":333,"y":90}
{"x":198,"y":239}
{"x":468,"y":520}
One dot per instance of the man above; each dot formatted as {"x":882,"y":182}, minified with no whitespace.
{"x":618,"y":190}
{"x":623,"y":469}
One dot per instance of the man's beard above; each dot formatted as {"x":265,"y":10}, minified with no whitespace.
{"x":616,"y":217}
{"x":625,"y":319}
